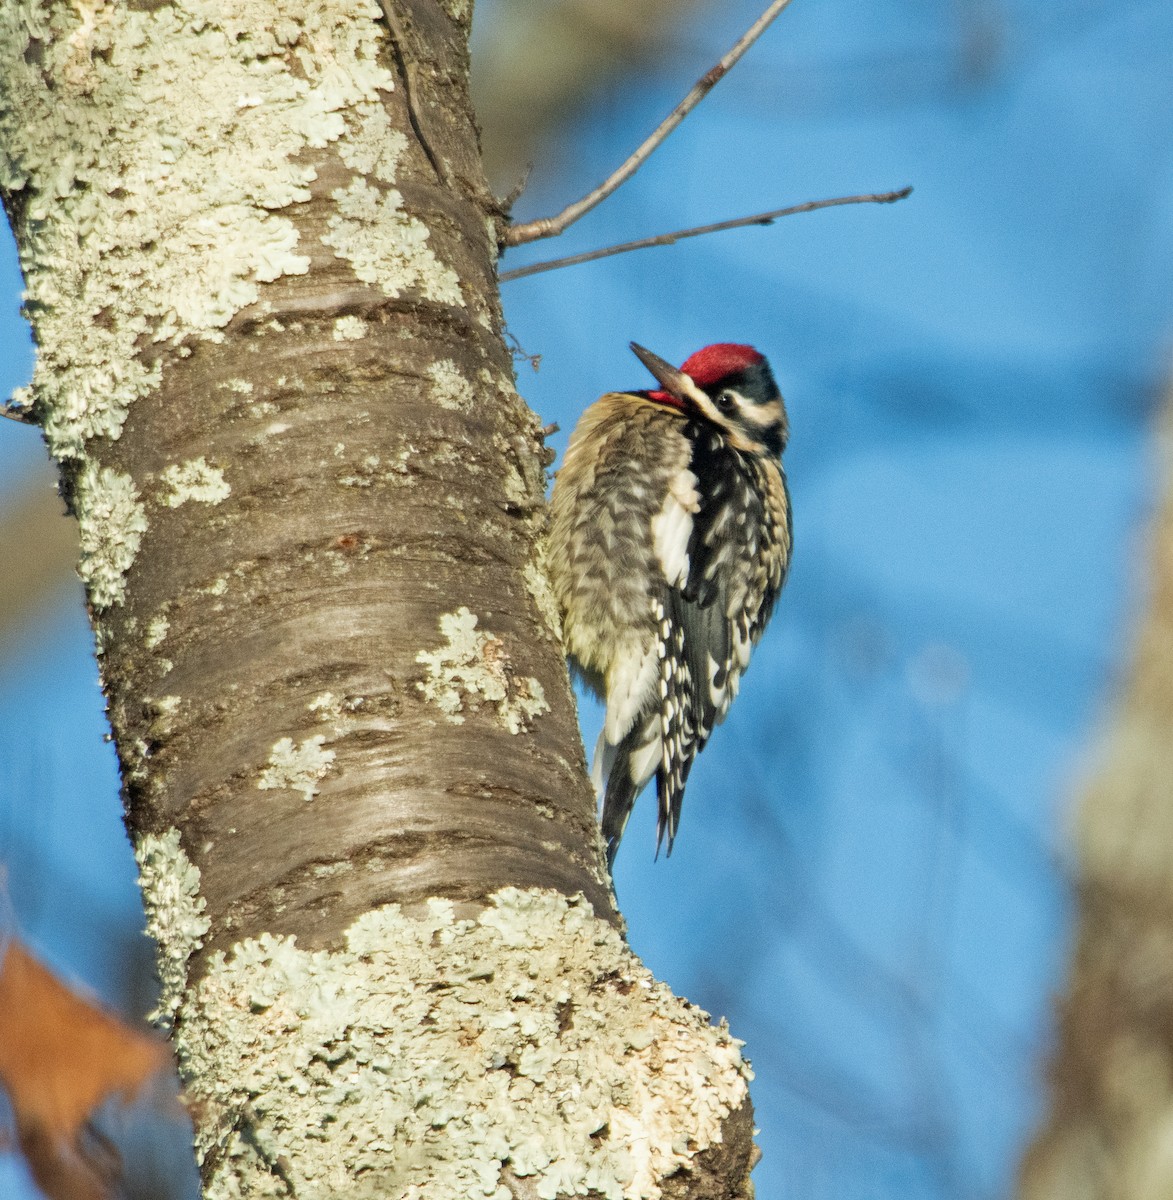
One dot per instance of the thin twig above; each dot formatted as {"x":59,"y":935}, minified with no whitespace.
{"x":515,"y":192}
{"x":407,"y":74}
{"x":543,"y":227}
{"x":16,"y":412}
{"x":519,"y":352}
{"x":666,"y":239}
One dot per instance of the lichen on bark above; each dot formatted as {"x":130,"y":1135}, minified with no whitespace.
{"x":191,"y":204}
{"x":176,"y":916}
{"x":434,"y":1052}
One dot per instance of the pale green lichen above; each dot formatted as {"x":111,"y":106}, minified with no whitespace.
{"x":195,"y":480}
{"x":515,"y":489}
{"x":472,"y":668}
{"x":170,"y":886}
{"x":156,"y":631}
{"x":350,"y":329}
{"x":298,"y":768}
{"x":527,"y":701}
{"x":373,"y":149}
{"x":433,"y":1052}
{"x":111,"y":522}
{"x":162,"y":710}
{"x":327,"y":706}
{"x":173,"y":136}
{"x":364,"y":474}
{"x":336,"y":711}
{"x":385,"y":246}
{"x":537,"y":583}
{"x":329,"y":870}
{"x":134,"y":759}
{"x":459,"y":10}
{"x":449,"y":387}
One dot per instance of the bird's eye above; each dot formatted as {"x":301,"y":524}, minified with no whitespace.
{"x":726,"y":401}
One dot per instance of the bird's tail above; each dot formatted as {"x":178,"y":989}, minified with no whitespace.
{"x":670,"y":783}
{"x":621,"y":771}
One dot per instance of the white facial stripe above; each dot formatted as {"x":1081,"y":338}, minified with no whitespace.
{"x":711,"y":411}
{"x":762,"y":415}
{"x":692,"y":392}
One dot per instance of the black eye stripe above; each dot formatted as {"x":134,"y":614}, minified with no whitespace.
{"x":754,"y":385}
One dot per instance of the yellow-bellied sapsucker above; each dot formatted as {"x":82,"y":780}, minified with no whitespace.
{"x":669,"y":543}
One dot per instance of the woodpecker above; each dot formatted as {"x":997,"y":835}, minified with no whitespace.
{"x":670,"y":538}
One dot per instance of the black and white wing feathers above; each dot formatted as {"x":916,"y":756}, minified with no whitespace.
{"x":716,"y":608}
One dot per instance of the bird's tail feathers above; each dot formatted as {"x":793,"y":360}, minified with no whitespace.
{"x":626,"y":768}
{"x":670,"y":795}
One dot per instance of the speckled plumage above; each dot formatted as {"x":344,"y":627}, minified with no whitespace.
{"x":670,"y":539}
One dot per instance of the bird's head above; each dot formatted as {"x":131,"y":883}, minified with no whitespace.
{"x":729,"y":385}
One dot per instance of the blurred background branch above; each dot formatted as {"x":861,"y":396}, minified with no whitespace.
{"x":1106,"y":1131}
{"x":538,"y":67}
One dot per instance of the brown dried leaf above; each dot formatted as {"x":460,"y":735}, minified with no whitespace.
{"x":61,"y":1057}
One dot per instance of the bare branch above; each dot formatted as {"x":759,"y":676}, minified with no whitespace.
{"x":17,"y":412}
{"x":516,"y":190}
{"x":667,"y":239}
{"x":543,"y":227}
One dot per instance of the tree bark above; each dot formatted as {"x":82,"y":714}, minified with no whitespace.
{"x":260,"y":261}
{"x":1107,"y":1133}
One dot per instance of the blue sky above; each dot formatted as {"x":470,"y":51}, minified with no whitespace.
{"x":869,"y":877}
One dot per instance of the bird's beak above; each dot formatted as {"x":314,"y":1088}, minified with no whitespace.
{"x":672,"y":380}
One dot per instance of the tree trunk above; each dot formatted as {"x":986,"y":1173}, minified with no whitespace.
{"x":1107,"y":1135}
{"x":260,"y":262}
